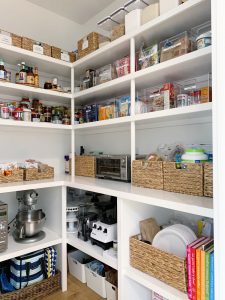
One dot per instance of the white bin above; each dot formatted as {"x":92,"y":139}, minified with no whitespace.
{"x":96,"y":282}
{"x":111,"y":291}
{"x":167,"y":5}
{"x":76,"y":267}
{"x":133,"y":20}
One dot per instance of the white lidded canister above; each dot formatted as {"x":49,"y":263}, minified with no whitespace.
{"x":194,"y":156}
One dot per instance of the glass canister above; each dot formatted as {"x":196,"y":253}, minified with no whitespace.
{"x":48,"y":113}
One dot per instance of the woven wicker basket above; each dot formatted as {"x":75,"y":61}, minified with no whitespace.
{"x":56,"y":52}
{"x":85,"y":165}
{"x":185,"y":181}
{"x":72,"y":57}
{"x":28,"y":44}
{"x":16,"y":40}
{"x":93,"y":44}
{"x":37,"y":290}
{"x":16,"y":176}
{"x":148,"y":174}
{"x":208,"y":180}
{"x":118,"y":31}
{"x":159,"y":264}
{"x":35,"y":174}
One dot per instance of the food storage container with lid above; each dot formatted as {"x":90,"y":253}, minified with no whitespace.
{"x":107,"y":24}
{"x":119,"y":15}
{"x":133,"y":20}
{"x":122,"y":66}
{"x":105,"y":73}
{"x":150,"y":12}
{"x":135,"y":4}
{"x":148,"y":56}
{"x":167,"y":5}
{"x":194,"y":155}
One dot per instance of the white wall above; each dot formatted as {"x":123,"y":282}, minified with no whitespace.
{"x":27,"y":19}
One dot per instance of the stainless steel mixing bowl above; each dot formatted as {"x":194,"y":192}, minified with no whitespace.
{"x":31,"y":222}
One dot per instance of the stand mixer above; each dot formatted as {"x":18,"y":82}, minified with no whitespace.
{"x":29,"y":221}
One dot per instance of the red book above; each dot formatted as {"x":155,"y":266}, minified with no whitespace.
{"x":191,"y":260}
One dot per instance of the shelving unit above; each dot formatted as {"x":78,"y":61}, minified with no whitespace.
{"x":133,"y":203}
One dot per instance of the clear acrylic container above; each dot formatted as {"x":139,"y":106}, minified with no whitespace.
{"x":176,"y":46}
{"x":148,"y":57}
{"x":122,"y":108}
{"x":107,"y":24}
{"x":202,"y":35}
{"x":107,"y":110}
{"x":105,"y":73}
{"x":122,"y":66}
{"x":119,"y":15}
{"x":88,"y":80}
{"x":135,"y":4}
{"x":194,"y":91}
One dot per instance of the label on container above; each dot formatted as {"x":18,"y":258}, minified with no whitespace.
{"x":5,"y":38}
{"x":65,"y":56}
{"x":85,"y":44}
{"x":38,"y":49}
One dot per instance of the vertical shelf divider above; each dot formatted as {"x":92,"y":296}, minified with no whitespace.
{"x":132,"y":95}
{"x":72,"y":123}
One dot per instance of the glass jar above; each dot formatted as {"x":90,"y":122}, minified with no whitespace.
{"x":48,"y":113}
{"x":26,"y":115}
{"x":35,"y":116}
{"x":23,"y":74}
{"x":4,"y":112}
{"x":30,"y":77}
{"x":18,"y":114}
{"x":48,"y":85}
{"x":66,"y":120}
{"x":25,"y":103}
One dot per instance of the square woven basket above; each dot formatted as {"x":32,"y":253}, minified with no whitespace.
{"x":37,"y":290}
{"x":93,"y":44}
{"x":35,"y":174}
{"x":148,"y":174}
{"x":28,"y":43}
{"x":15,"y":176}
{"x":159,"y":264}
{"x":208,"y":180}
{"x":85,"y":165}
{"x":185,"y":181}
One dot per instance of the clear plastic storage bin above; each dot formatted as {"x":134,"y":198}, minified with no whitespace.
{"x":119,"y":15}
{"x":202,"y":35}
{"x":122,"y":66}
{"x":135,"y":4}
{"x":122,"y":106}
{"x":176,"y":46}
{"x":148,"y":57}
{"x":105,"y":73}
{"x":107,"y":110}
{"x":107,"y":24}
{"x":194,"y":91}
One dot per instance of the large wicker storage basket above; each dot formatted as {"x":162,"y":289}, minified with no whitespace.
{"x":15,"y":176}
{"x":88,"y":44}
{"x":16,"y":40}
{"x":85,"y":165}
{"x":148,"y":174}
{"x":35,"y":174}
{"x":208,"y":179}
{"x":35,"y":291}
{"x":185,"y":181}
{"x":159,"y":264}
{"x":28,"y":44}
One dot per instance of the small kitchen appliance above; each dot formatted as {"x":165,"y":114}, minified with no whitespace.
{"x":29,"y":221}
{"x":117,"y":167}
{"x":71,"y":216}
{"x":3,"y":226}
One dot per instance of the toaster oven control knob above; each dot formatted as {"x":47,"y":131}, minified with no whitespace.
{"x":105,"y":230}
{"x":100,"y":228}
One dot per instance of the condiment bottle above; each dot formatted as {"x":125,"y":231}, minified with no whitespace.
{"x":36,"y":77}
{"x":2,"y":70}
{"x":18,"y":73}
{"x":23,"y":74}
{"x":30,"y":76}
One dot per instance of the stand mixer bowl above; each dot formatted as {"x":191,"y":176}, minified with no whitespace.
{"x":29,"y":223}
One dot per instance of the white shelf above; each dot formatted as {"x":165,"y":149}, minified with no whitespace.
{"x":104,"y":123}
{"x":14,"y":55}
{"x":18,"y":90}
{"x":179,"y":114}
{"x":17,"y":249}
{"x":43,"y":125}
{"x":115,"y":87}
{"x":155,"y":285}
{"x":92,"y":250}
{"x":183,"y":67}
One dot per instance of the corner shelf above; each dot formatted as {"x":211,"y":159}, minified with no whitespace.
{"x":17,"y":249}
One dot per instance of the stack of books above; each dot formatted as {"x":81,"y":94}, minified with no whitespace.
{"x":200,"y":267}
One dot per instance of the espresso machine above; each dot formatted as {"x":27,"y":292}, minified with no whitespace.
{"x":29,"y":221}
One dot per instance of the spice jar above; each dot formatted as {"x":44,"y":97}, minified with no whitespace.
{"x":48,"y":113}
{"x":18,"y":114}
{"x":35,"y":116}
{"x":42,"y":118}
{"x":4,"y":112}
{"x":66,"y":120}
{"x":48,"y":85}
{"x":30,"y":76}
{"x":56,"y":119}
{"x":26,"y":115}
{"x":36,"y":77}
{"x":18,"y":73}
{"x":23,"y":74}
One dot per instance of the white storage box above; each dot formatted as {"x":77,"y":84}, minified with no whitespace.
{"x":149,"y":13}
{"x":134,"y":4}
{"x":111,"y":291}
{"x":166,"y":5}
{"x":76,"y":266}
{"x":96,"y":282}
{"x":133,"y":20}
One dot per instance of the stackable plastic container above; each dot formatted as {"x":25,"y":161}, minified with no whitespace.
{"x":111,"y":291}
{"x":135,"y":4}
{"x":119,"y":15}
{"x":96,"y":282}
